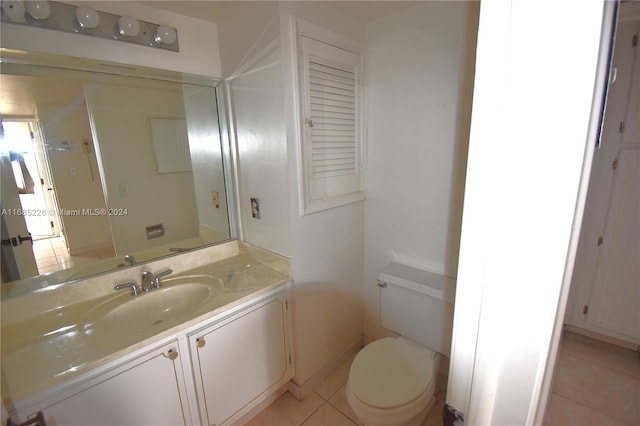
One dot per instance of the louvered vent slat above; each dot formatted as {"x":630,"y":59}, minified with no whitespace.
{"x":335,"y":145}
{"x":331,"y":76}
{"x":331,"y":71}
{"x":332,"y":98}
{"x":319,"y":87}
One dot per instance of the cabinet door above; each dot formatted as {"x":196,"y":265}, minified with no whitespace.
{"x":615,"y":300}
{"x":142,"y":392}
{"x":239,"y":359}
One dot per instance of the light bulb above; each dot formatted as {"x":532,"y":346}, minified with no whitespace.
{"x":14,"y":9}
{"x":87,"y":17}
{"x":39,"y":9}
{"x":129,"y":26}
{"x":165,"y":34}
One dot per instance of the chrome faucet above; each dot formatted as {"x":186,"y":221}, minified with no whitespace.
{"x":130,"y":259}
{"x":147,"y":281}
{"x":150,"y":281}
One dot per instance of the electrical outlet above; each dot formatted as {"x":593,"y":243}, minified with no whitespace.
{"x":214,"y":199}
{"x":255,"y":208}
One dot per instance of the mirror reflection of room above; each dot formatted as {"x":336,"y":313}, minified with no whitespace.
{"x":103,"y":169}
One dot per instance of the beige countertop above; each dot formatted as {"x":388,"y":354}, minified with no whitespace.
{"x":68,"y":339}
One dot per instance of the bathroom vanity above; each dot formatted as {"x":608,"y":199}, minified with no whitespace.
{"x":209,"y":345}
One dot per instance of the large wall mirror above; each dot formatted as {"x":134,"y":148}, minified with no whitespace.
{"x":105,"y":166}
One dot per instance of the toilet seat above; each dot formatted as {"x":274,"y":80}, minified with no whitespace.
{"x":391,"y":380}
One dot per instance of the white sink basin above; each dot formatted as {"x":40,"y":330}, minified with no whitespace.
{"x":174,"y":302}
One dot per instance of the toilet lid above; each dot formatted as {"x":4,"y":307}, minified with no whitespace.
{"x":391,"y":372}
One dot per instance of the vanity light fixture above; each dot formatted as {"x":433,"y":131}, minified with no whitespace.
{"x":128,"y":26}
{"x":165,"y":34}
{"x":87,"y":17}
{"x":38,"y":9}
{"x":86,"y":20}
{"x":14,"y":10}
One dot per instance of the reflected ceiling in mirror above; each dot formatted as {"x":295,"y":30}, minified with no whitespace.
{"x":105,"y":166}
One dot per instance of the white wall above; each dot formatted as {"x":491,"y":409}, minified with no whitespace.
{"x":258,"y":112}
{"x":250,"y":46}
{"x":120,"y":116}
{"x":206,"y":158}
{"x":244,"y":30}
{"x":327,"y":247}
{"x":198,"y":41}
{"x":419,"y":68}
{"x":79,"y":190}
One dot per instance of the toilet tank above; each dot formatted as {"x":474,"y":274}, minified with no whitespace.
{"x":418,"y":305}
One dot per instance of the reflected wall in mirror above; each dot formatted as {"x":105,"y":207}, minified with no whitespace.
{"x":106,"y":166}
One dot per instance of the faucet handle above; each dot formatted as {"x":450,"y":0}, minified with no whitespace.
{"x":157,"y":280}
{"x":133,"y":286}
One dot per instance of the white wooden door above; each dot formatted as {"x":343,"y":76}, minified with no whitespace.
{"x":615,"y":299}
{"x":17,"y":248}
{"x":532,"y":137}
{"x":238,"y":360}
{"x":145,"y":391}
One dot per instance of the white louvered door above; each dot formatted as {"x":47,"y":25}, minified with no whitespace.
{"x":331,"y":145}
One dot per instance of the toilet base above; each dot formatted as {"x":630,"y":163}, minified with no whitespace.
{"x":395,"y":417}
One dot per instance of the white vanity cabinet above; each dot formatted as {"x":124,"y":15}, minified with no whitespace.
{"x":241,"y":359}
{"x":148,"y":389}
{"x":211,"y":371}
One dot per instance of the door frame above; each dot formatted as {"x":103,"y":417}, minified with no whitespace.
{"x":18,"y":256}
{"x":44,"y":168}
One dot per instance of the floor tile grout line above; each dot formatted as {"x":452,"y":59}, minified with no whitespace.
{"x":605,"y":366}
{"x":608,"y":370}
{"x":314,"y":411}
{"x":342,"y":412}
{"x":599,"y":345}
{"x":599,"y":362}
{"x":590,"y":408}
{"x":332,"y":393}
{"x":325,"y":402}
{"x":602,"y":346}
{"x":318,"y":393}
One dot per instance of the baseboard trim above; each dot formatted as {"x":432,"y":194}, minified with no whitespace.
{"x":300,"y":391}
{"x":601,"y":337}
{"x":77,"y":251}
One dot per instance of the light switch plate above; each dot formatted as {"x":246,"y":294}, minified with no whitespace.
{"x":214,"y":199}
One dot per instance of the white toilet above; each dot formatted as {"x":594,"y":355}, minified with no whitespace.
{"x":392,"y":380}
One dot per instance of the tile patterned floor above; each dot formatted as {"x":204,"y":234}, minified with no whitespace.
{"x":52,"y":255}
{"x":596,"y":383}
{"x":327,"y":405}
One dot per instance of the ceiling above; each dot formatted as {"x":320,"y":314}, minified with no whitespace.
{"x":214,"y":11}
{"x":18,"y":93}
